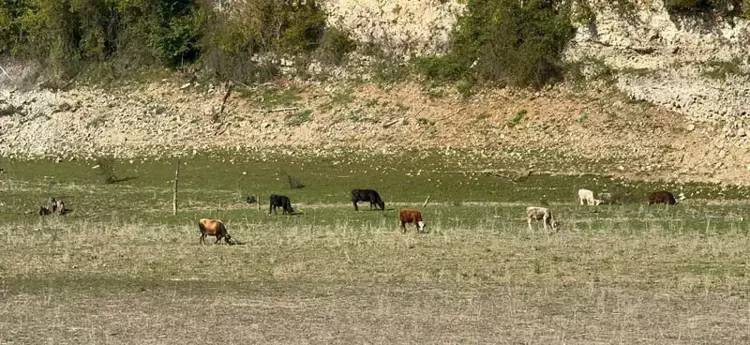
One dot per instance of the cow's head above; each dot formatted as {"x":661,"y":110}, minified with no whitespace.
{"x":597,"y":202}
{"x":420,"y":226}
{"x":556,"y":225}
{"x":381,"y":204}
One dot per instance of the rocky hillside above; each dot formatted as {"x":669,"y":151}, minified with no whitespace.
{"x":695,"y":65}
{"x":564,"y":129}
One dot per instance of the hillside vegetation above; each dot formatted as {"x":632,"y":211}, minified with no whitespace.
{"x":507,"y":42}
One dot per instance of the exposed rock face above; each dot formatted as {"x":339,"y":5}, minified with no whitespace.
{"x":402,"y":27}
{"x":671,"y":61}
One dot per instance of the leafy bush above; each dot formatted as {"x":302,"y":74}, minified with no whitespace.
{"x":260,"y":26}
{"x":440,"y":68}
{"x":66,"y":33}
{"x":508,"y":41}
{"x":721,"y":7}
{"x":334,"y":46}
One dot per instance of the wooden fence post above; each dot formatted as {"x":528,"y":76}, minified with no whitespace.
{"x":174,"y":188}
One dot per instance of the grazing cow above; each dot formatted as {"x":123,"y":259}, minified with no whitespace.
{"x":411,"y":216}
{"x":52,"y":205}
{"x":59,"y":207}
{"x":213,"y":227}
{"x":44,"y":211}
{"x":280,"y":201}
{"x":367,"y":195}
{"x":543,"y":214}
{"x":662,"y":197}
{"x":586,"y":197}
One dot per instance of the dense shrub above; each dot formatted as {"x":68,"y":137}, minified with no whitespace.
{"x":334,"y":46}
{"x":721,"y":7}
{"x":260,"y":26}
{"x":64,"y":33}
{"x":508,"y":41}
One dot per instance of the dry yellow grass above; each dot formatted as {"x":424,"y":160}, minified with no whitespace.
{"x":93,"y":283}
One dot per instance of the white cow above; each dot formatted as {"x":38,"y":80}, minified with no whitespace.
{"x":543,"y":214}
{"x":586,"y":197}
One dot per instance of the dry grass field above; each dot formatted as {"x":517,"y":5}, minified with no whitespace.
{"x":120,"y":269}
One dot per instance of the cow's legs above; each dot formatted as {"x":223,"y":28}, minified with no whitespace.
{"x":546,"y":221}
{"x":202,"y":239}
{"x":403,"y":227}
{"x":355,"y":205}
{"x":530,"y":228}
{"x":218,"y":238}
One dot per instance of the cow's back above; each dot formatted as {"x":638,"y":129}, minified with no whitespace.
{"x":210,"y":226}
{"x":409,"y":215}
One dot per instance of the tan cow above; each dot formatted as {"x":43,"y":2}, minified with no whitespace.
{"x":213,"y":227}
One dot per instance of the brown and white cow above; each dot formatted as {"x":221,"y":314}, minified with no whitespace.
{"x":543,"y":214}
{"x":411,"y":216}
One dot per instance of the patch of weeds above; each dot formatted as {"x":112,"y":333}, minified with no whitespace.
{"x":520,"y":115}
{"x":362,"y":118}
{"x":433,"y":91}
{"x":584,"y":13}
{"x":372,"y":103}
{"x":335,"y":46}
{"x":339,"y":99}
{"x":386,"y":69}
{"x":720,"y":70}
{"x":465,"y":87}
{"x":272,"y":97}
{"x":425,"y":122}
{"x":440,"y":68}
{"x":584,"y":116}
{"x":402,"y":108}
{"x":640,"y":72}
{"x":588,"y":69}
{"x":298,"y":118}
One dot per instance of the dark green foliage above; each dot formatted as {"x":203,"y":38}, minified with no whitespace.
{"x":721,"y":7}
{"x":335,"y":45}
{"x":260,"y":26}
{"x":66,"y":33}
{"x":506,"y":41}
{"x":513,"y":41}
{"x":441,"y":68}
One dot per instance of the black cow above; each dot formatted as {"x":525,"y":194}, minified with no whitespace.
{"x":662,"y":197}
{"x":367,"y":195}
{"x":280,"y":201}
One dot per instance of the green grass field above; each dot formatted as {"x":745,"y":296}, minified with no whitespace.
{"x":121,"y":269}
